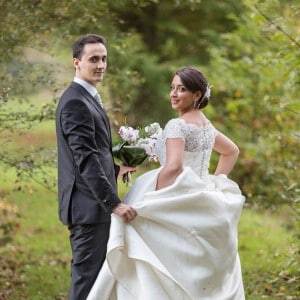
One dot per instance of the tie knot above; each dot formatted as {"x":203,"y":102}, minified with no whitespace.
{"x":98,"y":98}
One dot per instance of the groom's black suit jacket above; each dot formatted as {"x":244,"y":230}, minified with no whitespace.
{"x":87,"y":188}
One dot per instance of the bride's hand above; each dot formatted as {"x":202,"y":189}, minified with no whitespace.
{"x":125,"y":169}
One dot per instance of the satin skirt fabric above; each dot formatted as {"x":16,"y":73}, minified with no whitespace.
{"x":181,"y":246}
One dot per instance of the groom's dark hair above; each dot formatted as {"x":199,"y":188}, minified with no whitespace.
{"x":86,"y":39}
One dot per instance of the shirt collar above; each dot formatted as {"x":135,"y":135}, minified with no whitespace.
{"x":91,"y":89}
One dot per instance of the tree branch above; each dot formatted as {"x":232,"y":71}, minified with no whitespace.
{"x":277,"y":26}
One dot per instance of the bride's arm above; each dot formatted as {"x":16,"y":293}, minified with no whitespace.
{"x":228,"y":151}
{"x":174,"y":163}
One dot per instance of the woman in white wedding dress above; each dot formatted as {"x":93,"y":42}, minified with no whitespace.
{"x":183,"y":243}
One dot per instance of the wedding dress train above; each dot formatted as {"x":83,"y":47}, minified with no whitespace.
{"x":181,"y":246}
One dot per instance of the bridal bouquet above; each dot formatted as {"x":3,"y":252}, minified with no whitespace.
{"x":136,"y":145}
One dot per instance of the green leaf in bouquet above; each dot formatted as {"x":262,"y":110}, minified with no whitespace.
{"x":116,"y":150}
{"x":132,"y":155}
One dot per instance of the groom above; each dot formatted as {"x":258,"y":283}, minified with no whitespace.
{"x":87,"y":189}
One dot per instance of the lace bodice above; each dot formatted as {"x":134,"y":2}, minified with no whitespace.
{"x":199,"y":142}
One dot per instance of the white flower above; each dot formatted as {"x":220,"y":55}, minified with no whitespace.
{"x":152,"y":128}
{"x":128,"y":134}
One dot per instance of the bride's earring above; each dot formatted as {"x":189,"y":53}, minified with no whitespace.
{"x":196,"y":103}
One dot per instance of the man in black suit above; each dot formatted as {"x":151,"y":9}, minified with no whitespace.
{"x":87,"y":174}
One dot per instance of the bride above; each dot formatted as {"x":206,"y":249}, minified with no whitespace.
{"x":183,"y":243}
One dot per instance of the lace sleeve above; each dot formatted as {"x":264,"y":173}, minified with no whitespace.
{"x":174,"y":129}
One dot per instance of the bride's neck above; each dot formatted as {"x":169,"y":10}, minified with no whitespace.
{"x":192,"y":111}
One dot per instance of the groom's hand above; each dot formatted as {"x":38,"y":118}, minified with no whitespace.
{"x":125,"y":212}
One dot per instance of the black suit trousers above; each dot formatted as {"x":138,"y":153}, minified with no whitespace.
{"x":89,"y":245}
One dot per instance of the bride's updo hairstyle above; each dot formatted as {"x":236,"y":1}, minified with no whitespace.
{"x":195,"y":81}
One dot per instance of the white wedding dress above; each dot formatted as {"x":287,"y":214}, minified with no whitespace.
{"x":183,"y":243}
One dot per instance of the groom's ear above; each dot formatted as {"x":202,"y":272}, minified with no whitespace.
{"x":76,"y":63}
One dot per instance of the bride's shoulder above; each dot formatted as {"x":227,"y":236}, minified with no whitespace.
{"x":174,"y":127}
{"x":175,"y":122}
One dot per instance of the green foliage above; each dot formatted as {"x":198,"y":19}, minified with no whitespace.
{"x":161,"y":45}
{"x":130,"y":80}
{"x":255,"y":73}
{"x":256,"y":78}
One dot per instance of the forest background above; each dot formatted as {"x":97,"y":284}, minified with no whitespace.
{"x":249,"y":51}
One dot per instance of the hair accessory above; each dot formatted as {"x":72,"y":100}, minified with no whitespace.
{"x":207,"y":92}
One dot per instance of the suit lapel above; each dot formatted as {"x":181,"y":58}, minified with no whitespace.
{"x":96,"y":105}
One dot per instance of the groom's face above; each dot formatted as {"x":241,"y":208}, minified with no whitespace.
{"x":92,"y":64}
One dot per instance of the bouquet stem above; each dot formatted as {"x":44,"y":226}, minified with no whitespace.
{"x":127,"y":178}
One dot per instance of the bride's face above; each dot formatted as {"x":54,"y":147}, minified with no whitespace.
{"x":181,"y":98}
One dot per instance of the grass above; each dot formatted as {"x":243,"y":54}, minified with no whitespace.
{"x":264,"y":240}
{"x":40,"y":247}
